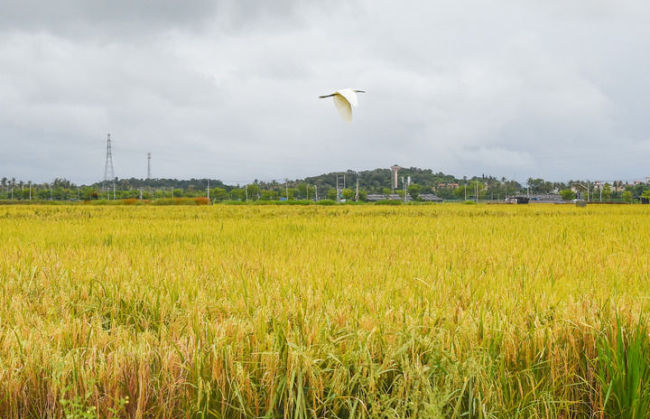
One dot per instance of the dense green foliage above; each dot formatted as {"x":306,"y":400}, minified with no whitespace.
{"x":378,"y":181}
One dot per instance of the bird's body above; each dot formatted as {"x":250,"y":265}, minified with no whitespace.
{"x":344,"y":99}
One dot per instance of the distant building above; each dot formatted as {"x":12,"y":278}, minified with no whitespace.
{"x":395,"y":170}
{"x":373,"y":197}
{"x":546,"y":199}
{"x":517,"y":200}
{"x":429,"y":197}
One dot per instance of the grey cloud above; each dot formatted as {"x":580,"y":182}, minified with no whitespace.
{"x":106,"y":19}
{"x":229,"y":89}
{"x":115,"y":20}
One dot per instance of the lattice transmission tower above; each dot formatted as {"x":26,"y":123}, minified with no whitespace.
{"x":109,"y":172}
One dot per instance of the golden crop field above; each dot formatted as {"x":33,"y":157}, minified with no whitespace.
{"x":344,"y":311}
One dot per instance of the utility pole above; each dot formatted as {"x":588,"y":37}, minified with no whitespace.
{"x":286,"y":187}
{"x":208,"y":189}
{"x":30,"y":190}
{"x":338,"y":197}
{"x":316,"y":191}
{"x":356,"y":194}
{"x":601,"y":193}
{"x":148,"y":165}
{"x":404,"y":189}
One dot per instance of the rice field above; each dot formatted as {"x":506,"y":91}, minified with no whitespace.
{"x":344,"y":311}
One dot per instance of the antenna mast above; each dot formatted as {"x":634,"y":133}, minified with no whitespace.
{"x":109,"y":172}
{"x":148,"y":165}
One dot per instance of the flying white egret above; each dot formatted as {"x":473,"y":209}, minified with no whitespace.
{"x":344,"y":99}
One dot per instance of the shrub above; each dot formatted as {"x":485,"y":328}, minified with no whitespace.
{"x":181,"y":201}
{"x":388,"y":202}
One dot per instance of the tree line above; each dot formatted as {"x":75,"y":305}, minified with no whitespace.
{"x":332,"y":185}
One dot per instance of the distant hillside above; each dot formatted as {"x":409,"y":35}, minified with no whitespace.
{"x":377,"y":180}
{"x":374,"y":181}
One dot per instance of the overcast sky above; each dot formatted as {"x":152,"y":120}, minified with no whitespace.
{"x":229,"y":89}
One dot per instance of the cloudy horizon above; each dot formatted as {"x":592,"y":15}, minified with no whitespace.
{"x":229,"y":89}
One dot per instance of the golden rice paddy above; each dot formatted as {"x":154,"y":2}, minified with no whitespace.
{"x":344,"y":311}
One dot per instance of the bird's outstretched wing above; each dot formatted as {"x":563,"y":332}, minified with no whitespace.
{"x":343,"y":106}
{"x":350,"y":95}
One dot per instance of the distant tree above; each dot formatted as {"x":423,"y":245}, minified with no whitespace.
{"x":43,"y":194}
{"x":627,"y":196}
{"x":237,"y":194}
{"x":363,"y":195}
{"x":253,"y":192}
{"x":567,"y":194}
{"x":414,"y":191}
{"x":386,"y":191}
{"x":331,"y":194}
{"x":460,"y":192}
{"x":302,"y":190}
{"x":637,"y":190}
{"x":269,"y":195}
{"x":347,"y":194}
{"x":607,"y":192}
{"x":540,"y":185}
{"x":474,"y":186}
{"x":88,"y":193}
{"x":218,"y":194}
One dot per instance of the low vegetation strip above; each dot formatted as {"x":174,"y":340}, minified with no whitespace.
{"x":324,"y":311}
